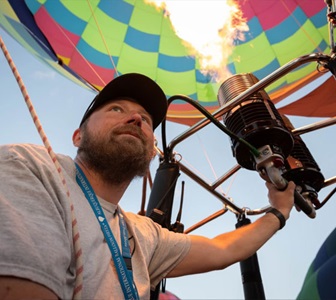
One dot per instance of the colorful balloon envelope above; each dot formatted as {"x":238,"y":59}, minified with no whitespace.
{"x":92,"y":42}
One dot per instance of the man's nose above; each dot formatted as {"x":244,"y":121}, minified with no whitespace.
{"x":135,"y":118}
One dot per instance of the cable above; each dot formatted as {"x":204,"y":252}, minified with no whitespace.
{"x":209,"y":116}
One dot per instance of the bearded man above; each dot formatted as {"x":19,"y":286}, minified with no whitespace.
{"x":124,"y":255}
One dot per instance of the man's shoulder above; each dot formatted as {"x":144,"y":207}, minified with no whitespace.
{"x":13,"y":150}
{"x":21,"y":146}
{"x":22,"y":150}
{"x":138,"y":220}
{"x":143,"y":223}
{"x":26,"y":152}
{"x":35,"y":158}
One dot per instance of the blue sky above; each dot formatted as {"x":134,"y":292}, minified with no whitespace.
{"x":283,"y":261}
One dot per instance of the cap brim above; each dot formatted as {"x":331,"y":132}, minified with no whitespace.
{"x":138,"y":87}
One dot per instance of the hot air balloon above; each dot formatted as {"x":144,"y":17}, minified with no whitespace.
{"x":93,"y":42}
{"x":318,"y":283}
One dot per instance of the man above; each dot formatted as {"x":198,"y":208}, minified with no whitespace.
{"x":115,"y":144}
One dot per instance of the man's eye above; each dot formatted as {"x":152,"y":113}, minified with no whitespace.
{"x":146,"y":119}
{"x":116,"y":108}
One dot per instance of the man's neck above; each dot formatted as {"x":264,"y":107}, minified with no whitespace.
{"x":109,"y":192}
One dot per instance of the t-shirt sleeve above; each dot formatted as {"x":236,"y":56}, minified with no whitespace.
{"x":170,"y":250}
{"x":163,"y":249}
{"x":34,"y":242}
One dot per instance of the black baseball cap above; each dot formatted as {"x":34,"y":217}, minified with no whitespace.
{"x":138,"y":87}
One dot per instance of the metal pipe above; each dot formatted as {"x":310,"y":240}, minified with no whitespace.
{"x":314,"y":126}
{"x":226,"y":176}
{"x":331,"y":18}
{"x":226,"y":201}
{"x":243,"y":96}
{"x":329,"y":181}
{"x":206,"y":220}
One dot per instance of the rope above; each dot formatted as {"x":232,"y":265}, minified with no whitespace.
{"x":75,"y":232}
{"x":102,"y":37}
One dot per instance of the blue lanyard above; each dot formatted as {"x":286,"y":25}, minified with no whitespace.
{"x":122,"y":262}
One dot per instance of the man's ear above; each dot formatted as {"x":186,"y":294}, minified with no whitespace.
{"x":154,"y":147}
{"x":154,"y":152}
{"x":76,"y":137}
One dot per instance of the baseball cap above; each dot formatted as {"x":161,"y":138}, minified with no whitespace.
{"x":138,"y":87}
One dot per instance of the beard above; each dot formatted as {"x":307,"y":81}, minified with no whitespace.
{"x":117,"y":158}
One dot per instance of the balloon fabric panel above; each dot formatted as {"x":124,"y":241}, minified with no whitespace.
{"x":320,"y":279}
{"x":95,"y":41}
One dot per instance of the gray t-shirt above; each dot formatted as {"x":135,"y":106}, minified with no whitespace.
{"x":36,"y":232}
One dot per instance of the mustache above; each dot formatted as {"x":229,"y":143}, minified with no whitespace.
{"x":130,"y":129}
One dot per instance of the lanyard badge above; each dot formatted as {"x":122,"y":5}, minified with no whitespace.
{"x":122,"y":261}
